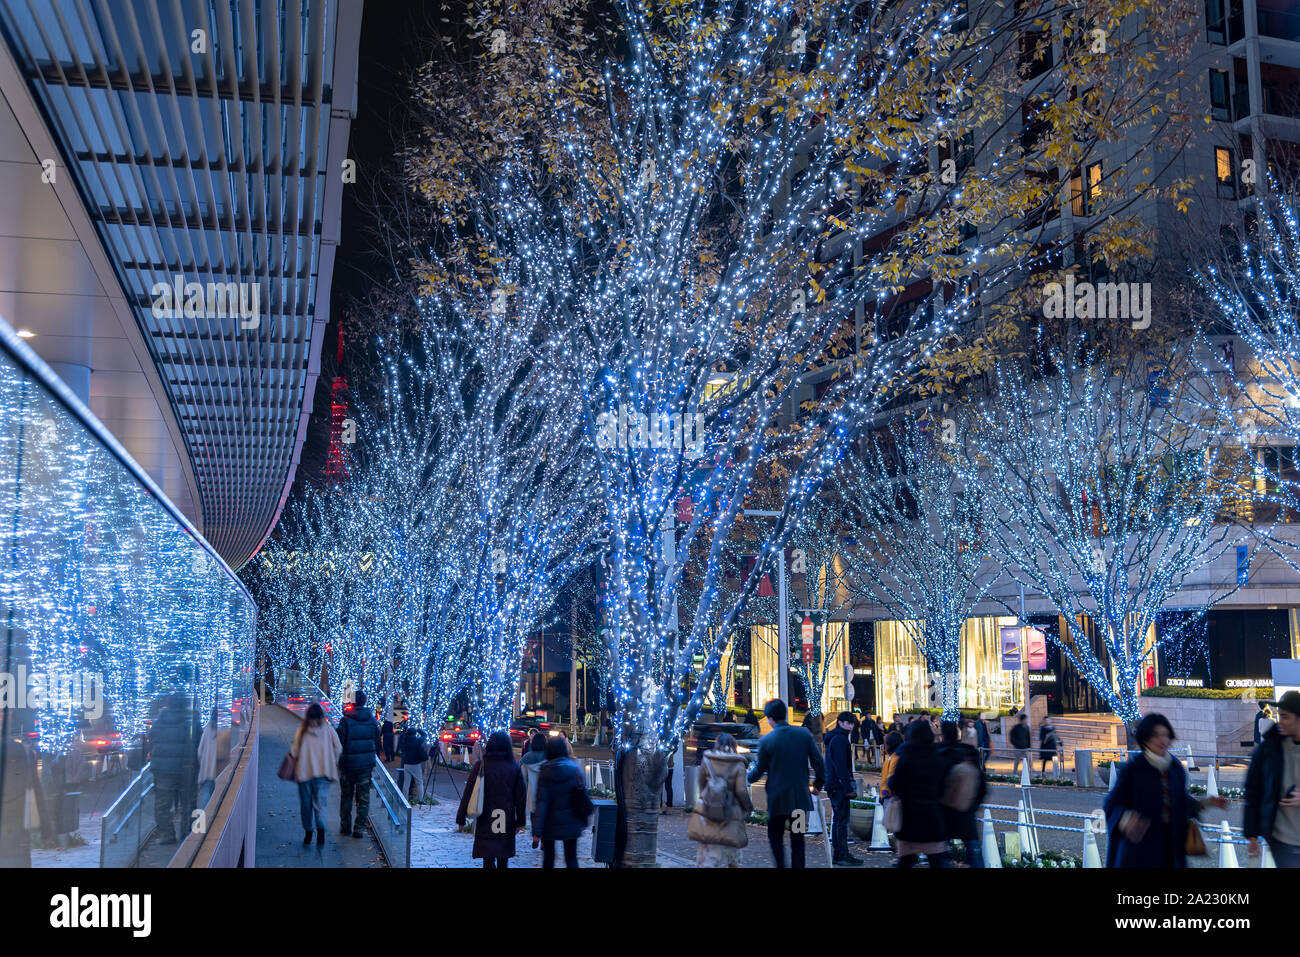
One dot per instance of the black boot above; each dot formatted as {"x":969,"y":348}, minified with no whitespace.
{"x":320,"y":836}
{"x":307,"y":838}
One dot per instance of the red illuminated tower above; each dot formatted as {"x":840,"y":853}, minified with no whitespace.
{"x":336,"y":465}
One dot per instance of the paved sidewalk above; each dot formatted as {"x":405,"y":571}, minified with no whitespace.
{"x":279,"y":825}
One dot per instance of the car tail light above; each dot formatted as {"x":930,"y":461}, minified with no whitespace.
{"x":446,"y":737}
{"x":473,"y":735}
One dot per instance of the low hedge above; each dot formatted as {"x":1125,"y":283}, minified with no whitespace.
{"x":964,"y":712}
{"x":1213,"y":694}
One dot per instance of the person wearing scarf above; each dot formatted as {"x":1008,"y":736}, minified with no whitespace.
{"x":1149,"y":810}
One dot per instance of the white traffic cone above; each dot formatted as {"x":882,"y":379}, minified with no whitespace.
{"x":1266,"y":858}
{"x":1027,"y":845}
{"x":597,"y":776}
{"x":1024,"y":774}
{"x":1211,"y":785}
{"x":1091,"y":856}
{"x":1227,"y":853}
{"x":879,"y":836}
{"x":1114,"y":774}
{"x":1191,"y":760}
{"x":992,"y":856}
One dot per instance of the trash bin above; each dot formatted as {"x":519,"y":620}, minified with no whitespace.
{"x":606,"y":823}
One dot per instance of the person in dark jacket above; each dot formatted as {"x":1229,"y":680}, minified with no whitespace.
{"x":840,"y":786}
{"x":1020,"y":740}
{"x":386,"y":731}
{"x":1048,"y":742}
{"x":784,"y":754}
{"x":1149,"y":809}
{"x":961,"y":825}
{"x":557,"y":815}
{"x":982,"y":740}
{"x":1261,"y":716}
{"x":414,"y":753}
{"x":174,"y":758}
{"x":1273,"y":787}
{"x":917,"y":781}
{"x":359,"y":734}
{"x":505,"y":801}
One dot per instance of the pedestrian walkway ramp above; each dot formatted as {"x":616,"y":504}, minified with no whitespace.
{"x":279,"y":825}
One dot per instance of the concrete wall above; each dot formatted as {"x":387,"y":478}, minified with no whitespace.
{"x":1208,"y":726}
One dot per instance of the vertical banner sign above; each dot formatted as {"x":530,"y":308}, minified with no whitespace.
{"x":1036,"y":647}
{"x":1010,"y":635}
{"x":1243,"y":564}
{"x":807,"y":631}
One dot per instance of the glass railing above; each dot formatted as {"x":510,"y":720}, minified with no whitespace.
{"x":127,"y":646}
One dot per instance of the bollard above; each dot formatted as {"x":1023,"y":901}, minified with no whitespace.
{"x":1091,"y":856}
{"x":1191,"y":760}
{"x":1114,"y":774}
{"x":992,"y":857}
{"x":1024,"y":774}
{"x":1083,"y":768}
{"x":1211,"y":785}
{"x":1227,"y":853}
{"x":879,"y":836}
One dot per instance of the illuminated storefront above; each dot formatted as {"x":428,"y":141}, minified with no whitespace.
{"x":903,"y":676}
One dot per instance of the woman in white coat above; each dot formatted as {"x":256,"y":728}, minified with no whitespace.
{"x":316,"y":749}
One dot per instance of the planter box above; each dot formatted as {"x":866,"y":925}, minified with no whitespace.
{"x":860,"y":821}
{"x":1206,"y":725}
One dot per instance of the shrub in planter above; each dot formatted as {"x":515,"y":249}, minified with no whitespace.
{"x":1216,"y":694}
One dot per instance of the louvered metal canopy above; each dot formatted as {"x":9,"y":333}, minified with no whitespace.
{"x":205,"y":139}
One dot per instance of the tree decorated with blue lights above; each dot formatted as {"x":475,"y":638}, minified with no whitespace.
{"x":1112,"y":478}
{"x":918,"y":510}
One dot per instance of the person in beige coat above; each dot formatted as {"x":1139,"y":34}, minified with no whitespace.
{"x":316,"y":749}
{"x":720,"y":841}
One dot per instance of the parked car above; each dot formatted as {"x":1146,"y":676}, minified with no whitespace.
{"x":705,"y":733}
{"x":525,"y":726}
{"x":458,"y":734}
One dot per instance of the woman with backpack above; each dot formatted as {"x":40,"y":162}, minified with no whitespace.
{"x":501,"y":810}
{"x":563,"y":807}
{"x":316,"y":749}
{"x":718,"y":821}
{"x":964,"y":791}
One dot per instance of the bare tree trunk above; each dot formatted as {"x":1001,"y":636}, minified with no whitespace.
{"x":643,"y":782}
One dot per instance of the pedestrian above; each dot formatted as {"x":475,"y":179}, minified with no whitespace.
{"x":358,"y":732}
{"x":877,"y":740}
{"x":1048,"y":743}
{"x":531,"y":765}
{"x":173,"y":758}
{"x":414,"y":753}
{"x":964,"y":791}
{"x":1273,"y":787}
{"x":386,"y":731}
{"x":918,"y":782}
{"x":968,"y":732}
{"x":841,"y":787}
{"x":1020,"y":741}
{"x":667,"y":800}
{"x":893,"y":741}
{"x":983,"y":743}
{"x":751,"y":718}
{"x":207,"y":756}
{"x":784,"y":754}
{"x":505,"y":802}
{"x":1149,"y":810}
{"x":1261,"y":716}
{"x":718,"y":824}
{"x":316,"y":749}
{"x":563,"y":806}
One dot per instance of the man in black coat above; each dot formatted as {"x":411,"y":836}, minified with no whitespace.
{"x":960,"y":824}
{"x":414,"y":754}
{"x":1020,"y":740}
{"x":784,"y":754}
{"x":359,"y":734}
{"x":840,"y":786}
{"x":1273,"y":787}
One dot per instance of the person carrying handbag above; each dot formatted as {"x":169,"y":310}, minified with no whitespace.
{"x":717,"y":822}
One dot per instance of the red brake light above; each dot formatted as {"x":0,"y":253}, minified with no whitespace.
{"x":473,"y":735}
{"x":446,"y":737}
